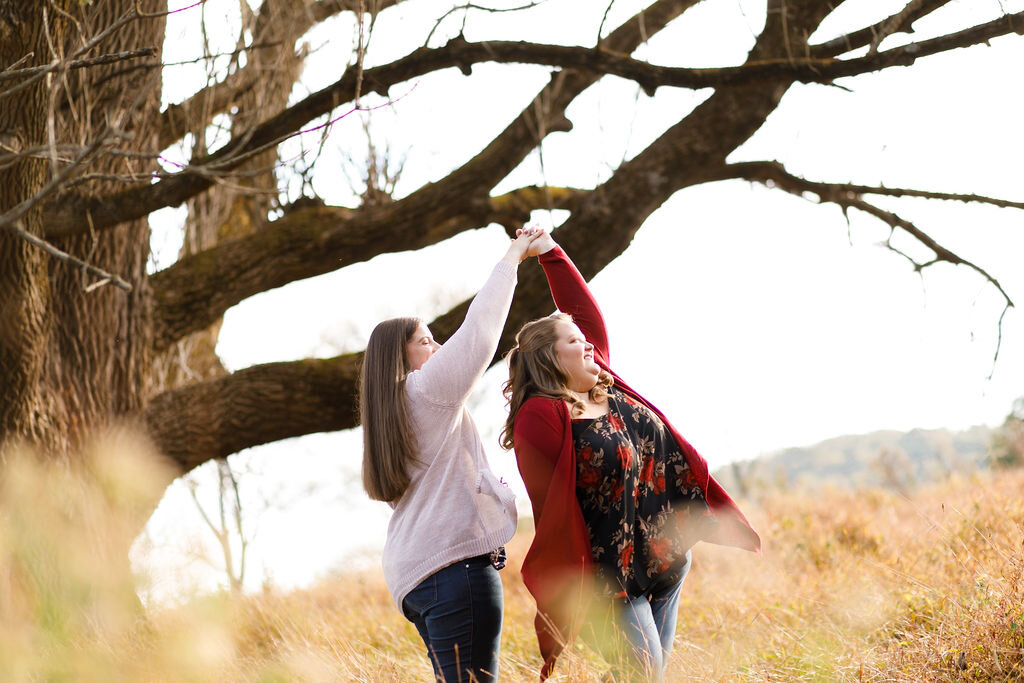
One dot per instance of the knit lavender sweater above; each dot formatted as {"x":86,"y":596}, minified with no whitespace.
{"x":454,"y":507}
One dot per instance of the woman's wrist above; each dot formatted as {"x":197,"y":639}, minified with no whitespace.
{"x":514,"y":255}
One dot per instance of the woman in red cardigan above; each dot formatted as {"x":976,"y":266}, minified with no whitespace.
{"x":619,"y":497}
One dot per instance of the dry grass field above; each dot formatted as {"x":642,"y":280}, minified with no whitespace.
{"x":865,"y":586}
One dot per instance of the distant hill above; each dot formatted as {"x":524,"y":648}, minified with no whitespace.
{"x":890,"y":459}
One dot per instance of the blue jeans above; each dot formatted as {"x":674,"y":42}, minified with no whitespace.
{"x":457,"y":611}
{"x":648,"y":624}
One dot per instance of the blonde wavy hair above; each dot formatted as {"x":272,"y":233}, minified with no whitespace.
{"x":533,"y":370}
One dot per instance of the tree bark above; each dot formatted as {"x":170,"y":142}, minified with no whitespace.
{"x":25,"y":318}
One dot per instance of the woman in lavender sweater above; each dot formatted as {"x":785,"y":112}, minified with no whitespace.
{"x":422,"y":455}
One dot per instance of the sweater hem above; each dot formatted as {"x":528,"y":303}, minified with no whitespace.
{"x":450,"y":556}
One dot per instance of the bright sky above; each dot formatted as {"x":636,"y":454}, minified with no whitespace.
{"x":756,"y":320}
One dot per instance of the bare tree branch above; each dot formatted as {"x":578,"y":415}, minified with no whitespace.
{"x":470,"y":6}
{"x":318,"y":10}
{"x":942,"y":254}
{"x":253,"y":406}
{"x":319,"y":239}
{"x":901,"y":22}
{"x":10,"y":75}
{"x":773,"y":172}
{"x":197,"y":111}
{"x":128,"y":17}
{"x":16,"y":228}
{"x":847,"y":196}
{"x":893,"y":24}
{"x":67,"y":217}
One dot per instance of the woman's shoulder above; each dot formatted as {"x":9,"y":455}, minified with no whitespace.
{"x":540,"y":404}
{"x":423,"y":394}
{"x":540,"y":411}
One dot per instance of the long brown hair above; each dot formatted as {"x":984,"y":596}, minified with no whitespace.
{"x":388,"y":439}
{"x":533,"y":370}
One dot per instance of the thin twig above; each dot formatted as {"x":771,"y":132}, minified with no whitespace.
{"x":468,"y":6}
{"x":360,"y":53}
{"x":604,"y":18}
{"x":126,"y":18}
{"x":17,"y":228}
{"x":17,"y":64}
{"x":78,"y":63}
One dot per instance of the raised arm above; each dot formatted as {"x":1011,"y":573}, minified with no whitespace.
{"x":448,"y":376}
{"x":573,"y":296}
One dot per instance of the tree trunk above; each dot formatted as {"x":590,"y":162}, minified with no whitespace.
{"x":26,"y":318}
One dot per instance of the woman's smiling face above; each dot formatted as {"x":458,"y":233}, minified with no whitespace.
{"x":420,"y":347}
{"x":576,"y":356}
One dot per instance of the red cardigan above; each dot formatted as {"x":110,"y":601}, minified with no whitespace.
{"x":557,"y":567}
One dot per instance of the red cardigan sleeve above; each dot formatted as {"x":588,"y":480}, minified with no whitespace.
{"x":572,"y":296}
{"x":556,"y":570}
{"x":538,"y":437}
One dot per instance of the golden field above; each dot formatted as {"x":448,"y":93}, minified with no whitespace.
{"x":864,"y":586}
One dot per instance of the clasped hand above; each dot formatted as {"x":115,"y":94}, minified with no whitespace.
{"x":542,"y":243}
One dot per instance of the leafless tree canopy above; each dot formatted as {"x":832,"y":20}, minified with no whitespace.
{"x":88,"y":336}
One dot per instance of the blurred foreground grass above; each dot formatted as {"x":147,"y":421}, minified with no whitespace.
{"x":865,"y":586}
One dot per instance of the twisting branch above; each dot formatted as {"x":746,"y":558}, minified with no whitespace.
{"x":849,"y":196}
{"x":773,"y":171}
{"x":941,"y":254}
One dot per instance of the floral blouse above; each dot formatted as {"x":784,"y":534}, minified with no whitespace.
{"x":641,"y":503}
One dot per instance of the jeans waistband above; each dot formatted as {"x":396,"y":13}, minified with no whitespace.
{"x":496,"y":558}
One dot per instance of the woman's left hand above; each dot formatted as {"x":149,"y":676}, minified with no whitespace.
{"x":543,"y":244}
{"x":521,"y":244}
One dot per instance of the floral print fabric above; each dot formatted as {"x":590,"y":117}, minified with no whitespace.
{"x":641,"y":503}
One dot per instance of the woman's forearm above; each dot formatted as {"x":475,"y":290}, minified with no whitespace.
{"x":572,"y":295}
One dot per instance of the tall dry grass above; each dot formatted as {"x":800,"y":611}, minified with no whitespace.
{"x":866,"y":586}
